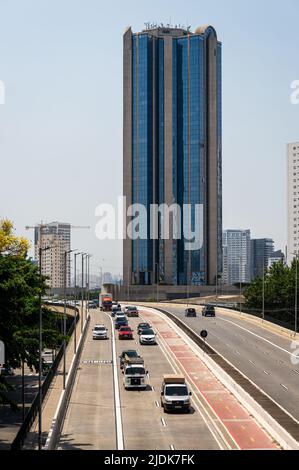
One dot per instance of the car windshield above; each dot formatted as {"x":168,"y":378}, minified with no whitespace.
{"x":132,"y":308}
{"x":135,"y":371}
{"x":122,"y":322}
{"x":173,"y":391}
{"x":130,"y":354}
{"x":191,"y":310}
{"x":99,"y":328}
{"x":147,"y":332}
{"x":125,"y":328}
{"x":144,"y":325}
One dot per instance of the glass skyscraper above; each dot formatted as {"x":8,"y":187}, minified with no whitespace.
{"x":173,"y":148}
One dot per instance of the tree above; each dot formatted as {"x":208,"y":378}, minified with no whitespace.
{"x":20,"y":288}
{"x":279,"y":292}
{"x":9,"y":243}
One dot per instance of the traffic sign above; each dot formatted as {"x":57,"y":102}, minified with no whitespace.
{"x":204,"y":334}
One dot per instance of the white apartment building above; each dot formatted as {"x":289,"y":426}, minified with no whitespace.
{"x":293,"y":199}
{"x":236,"y":257}
{"x":57,"y":237}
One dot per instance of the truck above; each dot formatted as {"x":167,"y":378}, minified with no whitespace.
{"x":135,"y":375}
{"x":175,"y":394}
{"x":105,"y":302}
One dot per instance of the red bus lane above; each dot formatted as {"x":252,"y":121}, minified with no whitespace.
{"x":240,"y":425}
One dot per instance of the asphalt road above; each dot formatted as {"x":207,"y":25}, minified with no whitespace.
{"x":90,"y":418}
{"x":264,"y":357}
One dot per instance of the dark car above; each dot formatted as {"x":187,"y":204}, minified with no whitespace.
{"x":190,"y":312}
{"x":209,"y":311}
{"x":143,"y":326}
{"x":121,"y":322}
{"x":115,"y":310}
{"x":129,"y":353}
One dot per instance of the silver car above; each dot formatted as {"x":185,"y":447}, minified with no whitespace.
{"x":147,"y":336}
{"x":100,"y":332}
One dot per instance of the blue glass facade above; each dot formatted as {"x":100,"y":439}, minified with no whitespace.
{"x":189,"y":143}
{"x":142,"y":151}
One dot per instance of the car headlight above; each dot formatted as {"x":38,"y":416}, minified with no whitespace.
{"x":187,"y":401}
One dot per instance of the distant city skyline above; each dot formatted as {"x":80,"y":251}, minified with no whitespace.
{"x":61,"y":124}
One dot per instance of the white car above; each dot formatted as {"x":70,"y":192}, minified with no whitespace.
{"x":147,"y":336}
{"x":100,"y":332}
{"x":120,"y":314}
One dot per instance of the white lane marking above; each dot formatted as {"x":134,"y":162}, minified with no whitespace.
{"x":284,"y":386}
{"x":237,"y":352}
{"x":267,"y":373}
{"x":251,"y":362}
{"x":157,"y":404}
{"x":118,"y":416}
{"x":163,"y":422}
{"x":260,"y":337}
{"x":172,"y":447}
{"x":295,"y":371}
{"x":153,"y":388}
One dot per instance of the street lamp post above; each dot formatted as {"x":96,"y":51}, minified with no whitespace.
{"x":88,"y":279}
{"x":66,"y":253}
{"x":296,"y":294}
{"x":296,"y":290}
{"x":157,"y":279}
{"x":263,"y":312}
{"x":40,"y":366}
{"x":240,"y":278}
{"x":75,"y":295}
{"x":82,"y":288}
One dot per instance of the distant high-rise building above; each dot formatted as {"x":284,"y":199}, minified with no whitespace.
{"x":236,"y":257}
{"x":261,"y":250}
{"x":173,"y":148}
{"x":276,"y":257}
{"x":57,"y":236}
{"x":293,"y":200}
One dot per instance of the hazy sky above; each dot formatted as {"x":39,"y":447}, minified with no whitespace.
{"x":61,"y":126}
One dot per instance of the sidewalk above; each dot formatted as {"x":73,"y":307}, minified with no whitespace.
{"x":52,"y":398}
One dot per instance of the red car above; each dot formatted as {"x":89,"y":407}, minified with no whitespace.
{"x":125,"y":332}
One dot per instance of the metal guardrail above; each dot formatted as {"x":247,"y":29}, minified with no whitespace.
{"x":277,"y":413}
{"x":31,"y":415}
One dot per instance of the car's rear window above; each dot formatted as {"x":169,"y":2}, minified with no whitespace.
{"x":148,"y":332}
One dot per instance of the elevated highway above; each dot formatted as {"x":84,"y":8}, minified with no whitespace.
{"x":102,"y":415}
